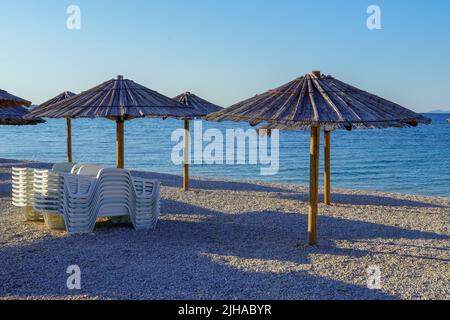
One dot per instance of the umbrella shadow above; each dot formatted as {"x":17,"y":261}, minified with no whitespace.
{"x":5,"y":177}
{"x":197,"y":253}
{"x":34,"y":165}
{"x":8,"y":161}
{"x":364,"y":199}
{"x":119,"y":263}
{"x":176,"y":181}
{"x":280,"y":236}
{"x":378,"y":200}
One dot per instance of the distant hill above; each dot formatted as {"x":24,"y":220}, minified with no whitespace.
{"x":439,"y":111}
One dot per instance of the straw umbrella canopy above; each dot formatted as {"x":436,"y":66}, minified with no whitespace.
{"x":63,"y":96}
{"x":9,"y":100}
{"x":201,"y":107}
{"x":316,"y":101}
{"x":118,"y":100}
{"x":15,"y":116}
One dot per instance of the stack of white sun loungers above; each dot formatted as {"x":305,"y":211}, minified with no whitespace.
{"x":24,"y":188}
{"x":22,"y":192}
{"x":86,"y":193}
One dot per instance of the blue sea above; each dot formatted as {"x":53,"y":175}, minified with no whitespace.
{"x":404,"y":160}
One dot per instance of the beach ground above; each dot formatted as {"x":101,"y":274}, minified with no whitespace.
{"x":235,"y":240}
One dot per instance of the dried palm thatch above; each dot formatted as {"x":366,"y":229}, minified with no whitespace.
{"x":63,"y":96}
{"x":9,"y":100}
{"x":15,"y":116}
{"x":116,"y":99}
{"x":319,"y":100}
{"x":201,"y":106}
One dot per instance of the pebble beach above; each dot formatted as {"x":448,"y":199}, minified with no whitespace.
{"x":227,"y":239}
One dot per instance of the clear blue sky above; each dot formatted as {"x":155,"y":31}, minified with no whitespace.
{"x":227,"y":50}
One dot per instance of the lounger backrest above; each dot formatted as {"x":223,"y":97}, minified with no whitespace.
{"x":79,"y":185}
{"x":76,"y":168}
{"x":63,"y":167}
{"x":114,"y":191}
{"x":89,"y":170}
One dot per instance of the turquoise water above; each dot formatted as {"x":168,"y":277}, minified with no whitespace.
{"x":407,"y":160}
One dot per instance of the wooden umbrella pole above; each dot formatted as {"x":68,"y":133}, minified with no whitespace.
{"x":186,"y":156}
{"x":69,"y":139}
{"x":327,"y":166}
{"x":313,"y":185}
{"x":119,"y":143}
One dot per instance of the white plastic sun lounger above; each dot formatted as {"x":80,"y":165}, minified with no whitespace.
{"x":88,"y":170}
{"x":23,"y":188}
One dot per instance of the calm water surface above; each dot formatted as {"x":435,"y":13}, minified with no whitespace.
{"x":406,"y":160}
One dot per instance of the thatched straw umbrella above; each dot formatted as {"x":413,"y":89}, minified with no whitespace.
{"x":8,"y":100}
{"x":63,"y":96}
{"x":118,"y":100}
{"x":15,"y":116}
{"x":316,"y":101}
{"x":201,"y":107}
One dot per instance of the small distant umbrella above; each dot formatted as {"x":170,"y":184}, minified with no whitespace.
{"x":317,"y":101}
{"x":201,"y":107}
{"x":63,"y":96}
{"x":119,"y":100}
{"x":9,"y":100}
{"x":15,"y":116}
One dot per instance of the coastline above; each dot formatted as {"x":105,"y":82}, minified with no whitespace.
{"x":229,"y":239}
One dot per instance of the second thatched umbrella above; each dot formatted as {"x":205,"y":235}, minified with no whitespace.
{"x":61,"y":97}
{"x":119,"y":100}
{"x":317,"y":101}
{"x":201,"y":108}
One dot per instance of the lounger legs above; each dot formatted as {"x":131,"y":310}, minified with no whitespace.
{"x":31,"y":215}
{"x":54,"y":221}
